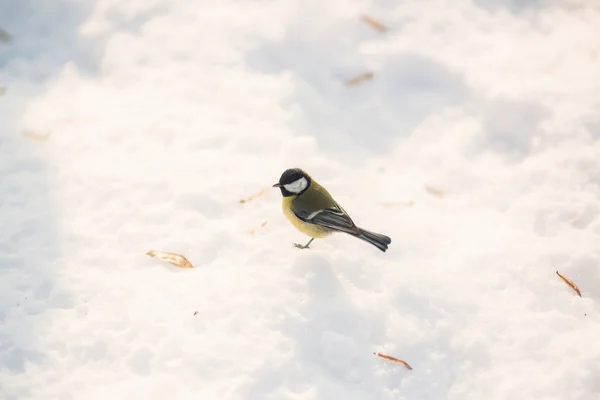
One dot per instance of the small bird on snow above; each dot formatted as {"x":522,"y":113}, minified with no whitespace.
{"x":312,"y":210}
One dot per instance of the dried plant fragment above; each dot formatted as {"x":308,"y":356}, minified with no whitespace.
{"x":398,"y":204}
{"x":358,"y":79}
{"x":569,"y":282}
{"x":394,"y":359}
{"x":4,"y":36}
{"x":434,"y":191}
{"x":195,"y":312}
{"x":255,"y":196}
{"x":262,"y":225}
{"x":38,"y":137}
{"x":176,"y":259}
{"x":374,"y":24}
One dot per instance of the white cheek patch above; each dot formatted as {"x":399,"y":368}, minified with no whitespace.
{"x":296,"y":186}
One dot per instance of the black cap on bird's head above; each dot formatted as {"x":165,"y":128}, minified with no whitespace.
{"x":293,"y":181}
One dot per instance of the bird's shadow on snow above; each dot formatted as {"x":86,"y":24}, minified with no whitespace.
{"x":43,"y":37}
{"x":331,"y":339}
{"x":365,"y":119}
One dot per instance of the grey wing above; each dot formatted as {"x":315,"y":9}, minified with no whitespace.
{"x":332,"y":218}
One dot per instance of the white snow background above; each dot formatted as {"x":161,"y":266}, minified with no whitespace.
{"x":161,"y":115}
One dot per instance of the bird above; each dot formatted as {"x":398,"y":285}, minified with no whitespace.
{"x":313,"y":211}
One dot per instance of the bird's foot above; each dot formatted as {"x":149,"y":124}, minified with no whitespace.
{"x":299,"y":246}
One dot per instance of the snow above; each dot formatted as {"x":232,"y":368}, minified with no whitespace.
{"x":159,"y":116}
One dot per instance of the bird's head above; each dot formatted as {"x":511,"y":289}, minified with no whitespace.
{"x":293,"y":181}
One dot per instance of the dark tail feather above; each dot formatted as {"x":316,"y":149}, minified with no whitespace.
{"x":376,"y":239}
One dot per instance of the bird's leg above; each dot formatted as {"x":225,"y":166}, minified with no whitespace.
{"x":299,"y":246}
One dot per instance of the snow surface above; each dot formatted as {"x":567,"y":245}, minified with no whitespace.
{"x":162,"y":115}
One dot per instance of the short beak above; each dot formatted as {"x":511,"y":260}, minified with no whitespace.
{"x":277,"y":185}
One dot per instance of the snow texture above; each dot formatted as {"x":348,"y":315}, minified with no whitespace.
{"x":136,"y":125}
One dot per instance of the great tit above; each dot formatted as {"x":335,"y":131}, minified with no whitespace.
{"x":312,"y":210}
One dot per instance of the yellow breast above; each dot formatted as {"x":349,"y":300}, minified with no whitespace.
{"x":312,"y":230}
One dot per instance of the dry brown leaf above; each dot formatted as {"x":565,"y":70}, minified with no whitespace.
{"x":5,"y":37}
{"x":38,"y":137}
{"x":374,"y":24}
{"x":358,"y":79}
{"x":394,"y":359}
{"x":569,"y":282}
{"x":262,"y":225}
{"x":398,"y":204}
{"x":254,"y":196}
{"x":173,"y":258}
{"x":579,"y":222}
{"x":434,"y":191}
